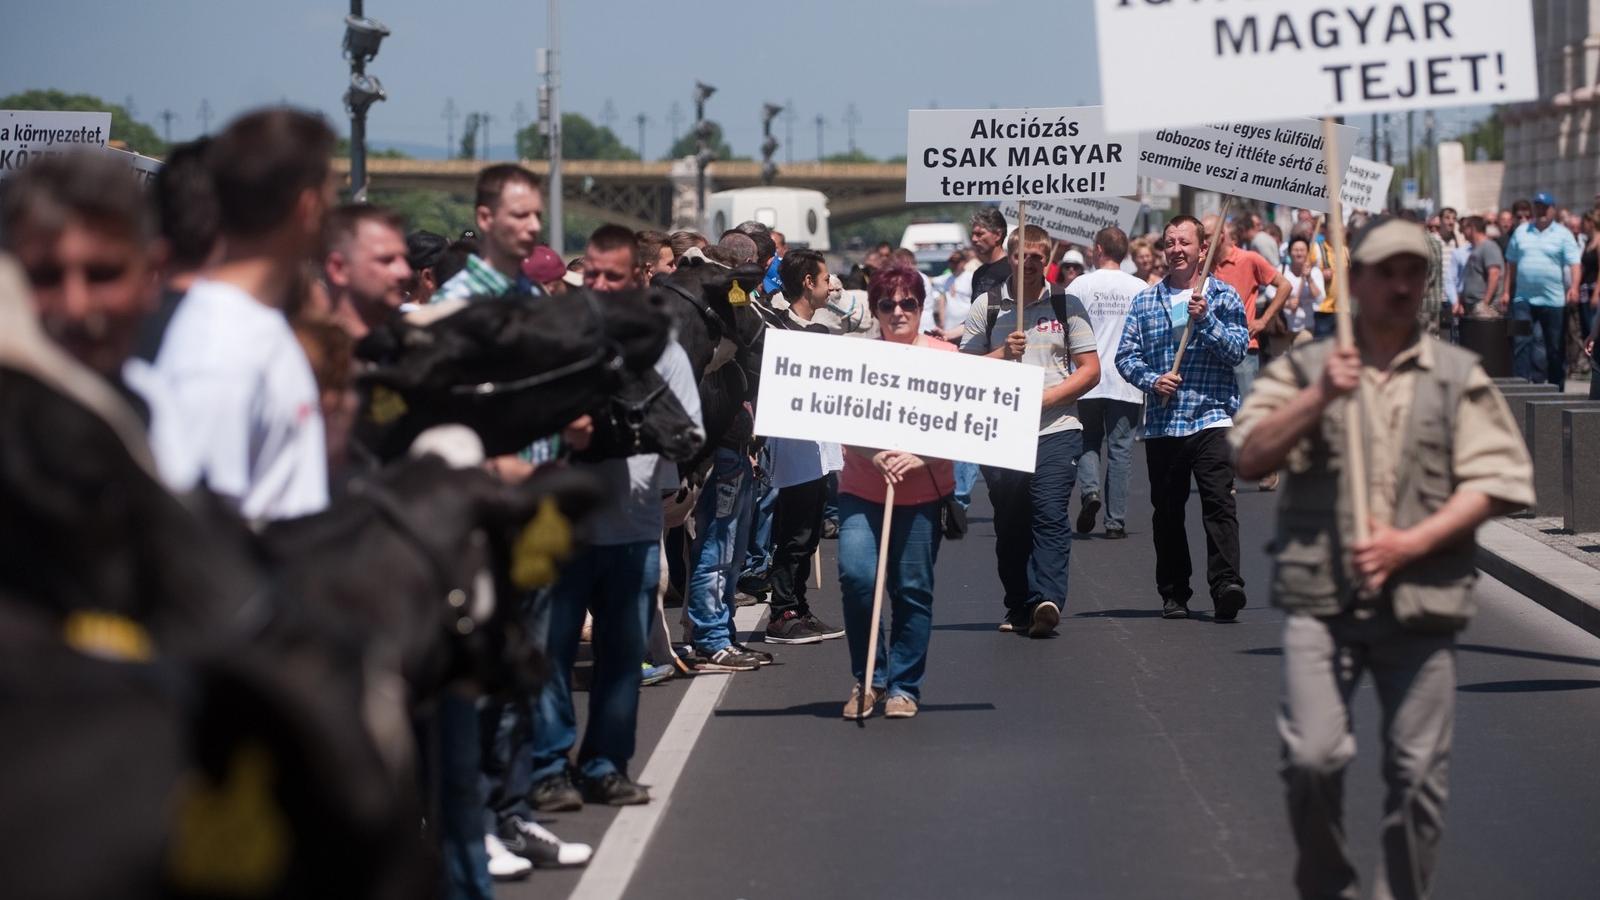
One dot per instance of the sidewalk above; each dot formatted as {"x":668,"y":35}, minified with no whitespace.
{"x":1556,"y":569}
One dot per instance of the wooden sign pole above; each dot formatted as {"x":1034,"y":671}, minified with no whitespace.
{"x":1355,"y":458}
{"x":1205,"y":272}
{"x":877,"y":600}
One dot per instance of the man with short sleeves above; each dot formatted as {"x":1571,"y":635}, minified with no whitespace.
{"x":1187,"y":418}
{"x":1480,"y":276}
{"x":1249,"y":274}
{"x":1110,"y":410}
{"x":1543,"y":273}
{"x":244,"y":396}
{"x":1033,"y":537}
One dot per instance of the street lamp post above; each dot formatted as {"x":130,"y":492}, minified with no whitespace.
{"x":704,"y":153}
{"x":769,"y":144}
{"x":362,"y":36}
{"x":550,"y":125}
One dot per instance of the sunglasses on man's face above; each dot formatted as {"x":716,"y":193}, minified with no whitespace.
{"x":909,"y":305}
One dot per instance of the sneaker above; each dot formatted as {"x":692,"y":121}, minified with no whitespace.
{"x":614,"y":789}
{"x":793,"y":628}
{"x":855,"y":709}
{"x":762,"y":656}
{"x":657,"y":674}
{"x":1016,"y":620}
{"x":535,"y":844}
{"x":555,"y":793}
{"x":754,"y":585}
{"x":1116,"y":534}
{"x":1087,"y":511}
{"x":1046,"y":616}
{"x":899,"y":706}
{"x":1174,"y":609}
{"x":1229,"y":601}
{"x":740,"y":598}
{"x":503,"y":864}
{"x":830,"y":529}
{"x":729,"y":659}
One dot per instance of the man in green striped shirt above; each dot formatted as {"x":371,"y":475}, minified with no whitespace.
{"x":509,"y":205}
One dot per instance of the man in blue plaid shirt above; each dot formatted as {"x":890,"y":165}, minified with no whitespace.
{"x":1186,"y":423}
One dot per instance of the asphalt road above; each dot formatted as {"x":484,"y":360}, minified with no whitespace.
{"x":1129,"y":757}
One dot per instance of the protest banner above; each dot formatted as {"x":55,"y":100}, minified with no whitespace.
{"x":27,"y":133}
{"x":1272,"y":59}
{"x":1275,"y":162}
{"x":1366,"y":186}
{"x":144,"y":168}
{"x":1014,"y":154}
{"x":1078,"y":220}
{"x":898,"y":397}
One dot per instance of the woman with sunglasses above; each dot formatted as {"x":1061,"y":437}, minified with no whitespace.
{"x":895,"y":296}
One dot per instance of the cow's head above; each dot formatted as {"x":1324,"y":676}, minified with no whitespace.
{"x":643,"y":416}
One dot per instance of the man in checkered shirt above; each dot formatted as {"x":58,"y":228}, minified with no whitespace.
{"x":1186,"y":421}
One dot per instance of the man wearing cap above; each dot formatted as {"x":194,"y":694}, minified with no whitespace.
{"x":1072,"y":266}
{"x":1542,"y":274}
{"x":544,"y":269}
{"x":1443,"y":456}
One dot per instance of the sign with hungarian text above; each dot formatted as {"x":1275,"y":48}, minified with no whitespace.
{"x":1277,"y":162}
{"x":871,"y":393}
{"x":27,"y":134}
{"x":955,"y":155}
{"x":1225,"y":60}
{"x":1078,"y":221}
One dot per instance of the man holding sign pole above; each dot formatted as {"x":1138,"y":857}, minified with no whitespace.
{"x":1033,"y":538}
{"x":1186,"y":423}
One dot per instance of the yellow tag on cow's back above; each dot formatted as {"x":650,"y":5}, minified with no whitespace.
{"x":736,"y":294}
{"x":546,"y":541}
{"x":386,"y":406}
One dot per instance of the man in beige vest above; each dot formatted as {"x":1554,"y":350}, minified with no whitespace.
{"x":1443,"y":456}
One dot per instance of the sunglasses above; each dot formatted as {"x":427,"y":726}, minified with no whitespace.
{"x":907,"y":305}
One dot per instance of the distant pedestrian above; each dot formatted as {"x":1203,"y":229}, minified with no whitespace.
{"x":508,"y":209}
{"x":989,"y":245}
{"x":1444,"y":456}
{"x":1544,"y":274}
{"x":1481,"y":277}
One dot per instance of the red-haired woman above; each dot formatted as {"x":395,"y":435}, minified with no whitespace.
{"x":896,"y":297}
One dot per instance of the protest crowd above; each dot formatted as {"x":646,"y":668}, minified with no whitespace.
{"x":371,"y":499}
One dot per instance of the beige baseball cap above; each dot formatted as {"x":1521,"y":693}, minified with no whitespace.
{"x":1388,"y":236}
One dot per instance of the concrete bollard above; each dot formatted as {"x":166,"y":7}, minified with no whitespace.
{"x":1519,"y":406}
{"x":1542,"y":431}
{"x":1580,"y":470}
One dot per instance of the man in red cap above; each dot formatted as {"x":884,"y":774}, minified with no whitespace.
{"x":544,"y":268}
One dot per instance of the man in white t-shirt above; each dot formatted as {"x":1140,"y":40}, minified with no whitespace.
{"x":246,"y":402}
{"x":1110,"y":410}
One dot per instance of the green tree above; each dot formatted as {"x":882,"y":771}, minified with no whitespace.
{"x":580,"y":139}
{"x":852,"y":156}
{"x":469,"y":138}
{"x":139,"y":137}
{"x":436,"y":211}
{"x":688,"y":145}
{"x":341,"y":149}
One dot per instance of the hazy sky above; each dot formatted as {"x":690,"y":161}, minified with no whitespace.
{"x":883,"y":56}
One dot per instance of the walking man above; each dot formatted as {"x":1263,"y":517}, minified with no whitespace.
{"x":1187,"y":419}
{"x":1033,"y":540}
{"x":1480,"y":277}
{"x":1543,"y":276}
{"x":1110,"y":410}
{"x":1443,"y":457}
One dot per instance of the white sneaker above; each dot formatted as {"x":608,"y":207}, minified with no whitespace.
{"x":503,"y":864}
{"x":537,"y":844}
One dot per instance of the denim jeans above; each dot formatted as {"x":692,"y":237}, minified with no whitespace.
{"x":721,"y":528}
{"x":506,"y":729}
{"x":758,"y":555}
{"x":616,"y":583}
{"x":1033,"y":535}
{"x":1245,"y":372}
{"x":1113,"y":423}
{"x":966,"y":477}
{"x":908,"y":589}
{"x":1540,"y":356}
{"x":830,"y":506}
{"x":461,"y":827}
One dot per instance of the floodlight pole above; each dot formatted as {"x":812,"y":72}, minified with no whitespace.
{"x":555,"y":234}
{"x":358,"y":126}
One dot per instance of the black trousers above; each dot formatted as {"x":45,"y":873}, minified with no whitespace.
{"x":796,"y":531}
{"x":1172,"y":462}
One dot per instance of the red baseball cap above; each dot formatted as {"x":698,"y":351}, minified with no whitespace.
{"x":543,"y":266}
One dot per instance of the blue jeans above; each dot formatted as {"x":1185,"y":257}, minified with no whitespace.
{"x":466,"y":862}
{"x":966,"y":477}
{"x":1540,"y":356}
{"x":617,"y":584}
{"x":758,"y":555}
{"x":1245,"y":372}
{"x":721,"y":528}
{"x":506,"y":728}
{"x":1033,"y":536}
{"x":830,"y":506}
{"x":908,"y":589}
{"x":1113,"y":423}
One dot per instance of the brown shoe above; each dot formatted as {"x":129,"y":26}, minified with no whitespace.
{"x":899,"y":706}
{"x":853,"y":706}
{"x":1269,"y":483}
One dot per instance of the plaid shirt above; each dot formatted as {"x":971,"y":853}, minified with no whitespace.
{"x":1217,"y":343}
{"x":478,"y":279}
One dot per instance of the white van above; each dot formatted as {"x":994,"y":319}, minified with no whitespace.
{"x":932,"y":242}
{"x":801,"y":215}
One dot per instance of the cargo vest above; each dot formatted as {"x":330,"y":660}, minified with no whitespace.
{"x":1313,"y":572}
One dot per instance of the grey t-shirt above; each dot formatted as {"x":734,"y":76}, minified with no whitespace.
{"x":1263,"y":244}
{"x":1475,"y":280}
{"x":1051,"y":345}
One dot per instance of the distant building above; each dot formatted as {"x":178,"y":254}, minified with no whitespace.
{"x":1554,"y":144}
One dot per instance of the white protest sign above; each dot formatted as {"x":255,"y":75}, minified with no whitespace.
{"x":27,"y":133}
{"x":1277,"y":162}
{"x":1277,"y":58}
{"x":1012,"y":154}
{"x":1077,"y":221}
{"x":870,"y":393}
{"x":1366,"y":186}
{"x":144,"y":168}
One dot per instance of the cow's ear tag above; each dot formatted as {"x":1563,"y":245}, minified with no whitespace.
{"x":106,"y":635}
{"x":736,"y":294}
{"x":544,"y":542}
{"x":230,"y":837}
{"x":386,"y":406}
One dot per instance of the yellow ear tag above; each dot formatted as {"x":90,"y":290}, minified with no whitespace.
{"x":386,"y":406}
{"x":544,"y":542}
{"x":106,"y":635}
{"x":736,"y":294}
{"x":230,"y":838}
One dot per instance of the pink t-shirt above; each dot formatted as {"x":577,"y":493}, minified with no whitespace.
{"x":937,"y":479}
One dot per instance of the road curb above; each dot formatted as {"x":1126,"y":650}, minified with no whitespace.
{"x":1544,"y":575}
